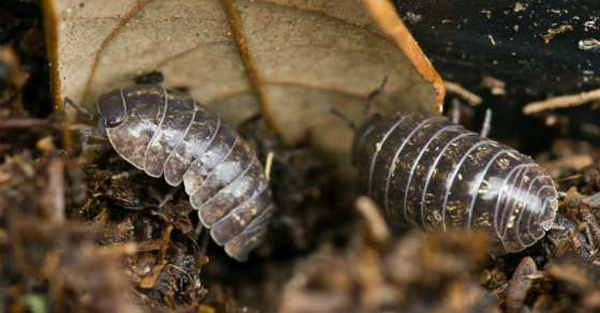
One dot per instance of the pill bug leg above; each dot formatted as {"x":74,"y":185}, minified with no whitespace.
{"x":487,"y":124}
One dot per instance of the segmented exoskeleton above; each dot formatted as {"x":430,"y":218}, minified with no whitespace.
{"x":424,"y":170}
{"x":164,"y":132}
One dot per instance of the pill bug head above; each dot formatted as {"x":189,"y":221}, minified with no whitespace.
{"x":361,"y":136}
{"x":112,"y":109}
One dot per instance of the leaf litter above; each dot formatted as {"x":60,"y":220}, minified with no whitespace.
{"x":99,"y":237}
{"x":289,"y":60}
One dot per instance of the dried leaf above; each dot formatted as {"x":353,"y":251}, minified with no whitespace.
{"x":290,"y":59}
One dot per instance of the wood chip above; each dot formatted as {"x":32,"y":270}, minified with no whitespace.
{"x":576,"y":162}
{"x":592,"y":200}
{"x":519,"y":284}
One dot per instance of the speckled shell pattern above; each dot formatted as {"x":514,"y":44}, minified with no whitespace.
{"x":167,"y":133}
{"x":424,"y":170}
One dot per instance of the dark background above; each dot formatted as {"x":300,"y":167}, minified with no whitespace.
{"x":455,"y":35}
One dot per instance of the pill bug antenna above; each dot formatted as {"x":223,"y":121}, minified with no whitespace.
{"x":203,"y":238}
{"x":487,"y":123}
{"x":367,"y":104}
{"x":367,"y":107}
{"x":88,"y":132}
{"x":80,"y":109}
{"x":343,"y":117}
{"x":251,"y":120}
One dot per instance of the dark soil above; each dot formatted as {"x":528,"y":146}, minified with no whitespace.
{"x":92,"y":234}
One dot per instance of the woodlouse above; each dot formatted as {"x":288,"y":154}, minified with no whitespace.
{"x":424,"y":170}
{"x":165,"y":132}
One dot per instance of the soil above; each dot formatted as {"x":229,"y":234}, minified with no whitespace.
{"x":85,"y":232}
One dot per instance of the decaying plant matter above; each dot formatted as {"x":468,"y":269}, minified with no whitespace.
{"x":81,"y":230}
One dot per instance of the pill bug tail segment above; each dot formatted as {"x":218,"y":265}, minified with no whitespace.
{"x":424,"y":170}
{"x":164,"y":132}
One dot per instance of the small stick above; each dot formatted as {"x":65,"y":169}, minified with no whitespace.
{"x":269,"y":164}
{"x":459,"y":90}
{"x":55,"y":192}
{"x":487,"y":123}
{"x":562,"y":102}
{"x":23,"y":123}
{"x":377,"y":225}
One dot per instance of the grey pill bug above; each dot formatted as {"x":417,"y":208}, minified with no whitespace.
{"x":166,"y":133}
{"x":424,"y":170}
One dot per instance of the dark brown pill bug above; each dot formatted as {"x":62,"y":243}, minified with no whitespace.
{"x":165,"y":132}
{"x":424,"y":170}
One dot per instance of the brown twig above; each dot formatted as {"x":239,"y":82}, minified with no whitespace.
{"x":384,"y":13}
{"x":459,"y":90}
{"x":51,"y":30}
{"x":237,"y":29}
{"x":562,"y":102}
{"x":123,"y":22}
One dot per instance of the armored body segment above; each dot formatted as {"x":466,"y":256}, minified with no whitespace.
{"x":144,"y":110}
{"x":198,"y":137}
{"x":424,"y":170}
{"x":161,"y":131}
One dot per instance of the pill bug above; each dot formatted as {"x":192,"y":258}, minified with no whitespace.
{"x":424,"y":170}
{"x":165,"y":132}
